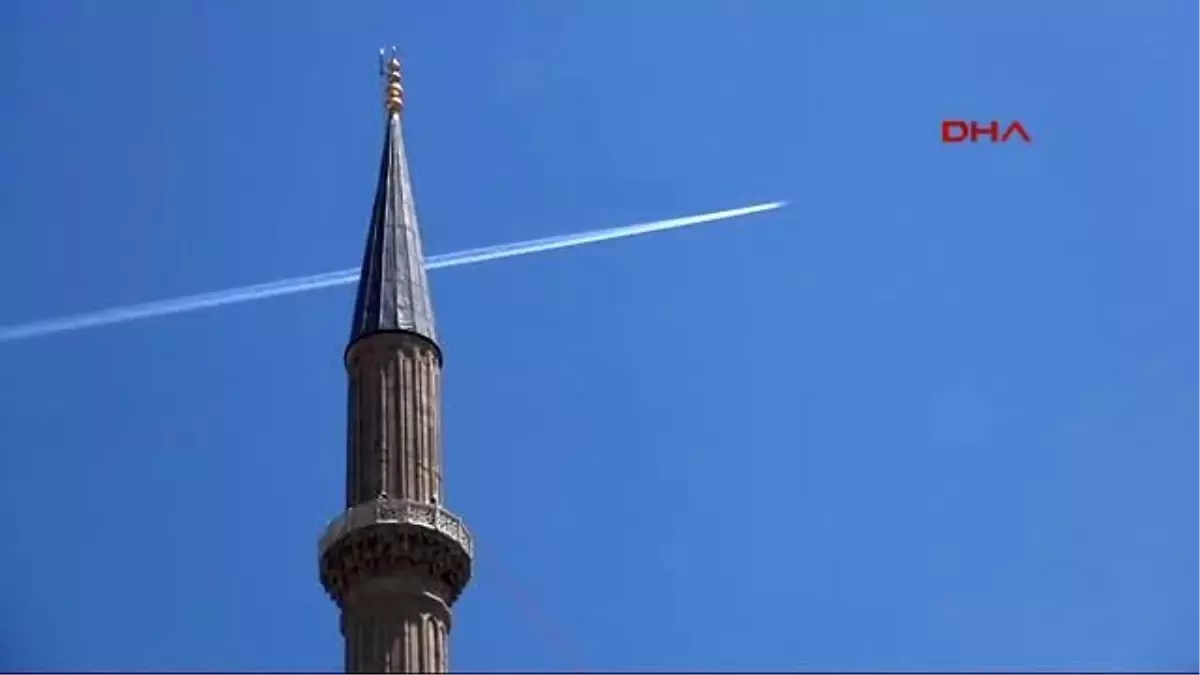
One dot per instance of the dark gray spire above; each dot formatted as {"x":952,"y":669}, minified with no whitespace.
{"x":393,"y":293}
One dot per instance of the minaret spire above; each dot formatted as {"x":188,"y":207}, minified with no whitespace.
{"x":396,"y":560}
{"x":393,"y":293}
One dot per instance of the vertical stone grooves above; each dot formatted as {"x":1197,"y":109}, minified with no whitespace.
{"x":387,"y":441}
{"x":423,"y":422}
{"x":412,"y":412}
{"x":411,"y":447}
{"x":435,"y":448}
{"x":399,"y":412}
{"x":441,"y":653}
{"x":435,"y":464}
{"x":429,"y":658}
{"x":386,"y":436}
{"x":354,"y":473}
{"x":442,"y":663}
{"x":404,"y":412}
{"x":435,"y":468}
{"x":351,"y":464}
{"x":437,"y":442}
{"x":423,"y":653}
{"x":420,"y":421}
{"x":419,"y":653}
{"x":438,"y":439}
{"x":405,"y":644}
{"x":349,"y":478}
{"x":366,"y":440}
{"x":413,"y":657}
{"x":380,"y":426}
{"x":354,"y":434}
{"x":418,"y":441}
{"x":395,"y":425}
{"x":383,"y":439}
{"x":395,"y":634}
{"x":362,"y":440}
{"x":412,"y":405}
{"x":426,"y":428}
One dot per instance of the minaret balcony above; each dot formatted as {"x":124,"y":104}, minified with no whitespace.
{"x":389,"y":539}
{"x":386,"y":510}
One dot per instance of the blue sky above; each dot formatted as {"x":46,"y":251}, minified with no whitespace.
{"x":939,"y":413}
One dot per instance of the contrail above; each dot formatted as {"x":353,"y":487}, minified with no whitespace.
{"x":348,"y":276}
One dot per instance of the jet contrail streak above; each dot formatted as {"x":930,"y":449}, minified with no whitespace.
{"x":348,"y":276}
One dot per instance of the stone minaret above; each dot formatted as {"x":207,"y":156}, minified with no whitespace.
{"x":396,"y":559}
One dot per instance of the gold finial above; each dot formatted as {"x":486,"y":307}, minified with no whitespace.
{"x":393,"y":96}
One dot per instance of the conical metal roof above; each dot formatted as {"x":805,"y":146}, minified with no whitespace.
{"x":393,"y":291}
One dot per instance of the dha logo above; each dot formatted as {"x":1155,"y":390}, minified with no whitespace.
{"x":957,"y":131}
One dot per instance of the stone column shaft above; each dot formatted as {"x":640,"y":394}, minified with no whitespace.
{"x":397,"y":634}
{"x":394,"y":426}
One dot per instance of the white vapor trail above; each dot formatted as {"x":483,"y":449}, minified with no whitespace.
{"x":348,"y":276}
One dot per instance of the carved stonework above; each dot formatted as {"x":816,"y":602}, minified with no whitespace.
{"x":390,"y":545}
{"x":403,"y":511}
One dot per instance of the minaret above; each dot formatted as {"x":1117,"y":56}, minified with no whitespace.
{"x":396,"y":559}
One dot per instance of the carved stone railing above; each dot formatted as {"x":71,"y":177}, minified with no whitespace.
{"x":403,"y":512}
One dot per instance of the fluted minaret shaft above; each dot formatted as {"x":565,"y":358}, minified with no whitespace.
{"x":396,"y":561}
{"x":394,"y":444}
{"x":397,"y":636}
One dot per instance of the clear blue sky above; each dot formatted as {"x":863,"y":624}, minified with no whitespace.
{"x":940,"y":413}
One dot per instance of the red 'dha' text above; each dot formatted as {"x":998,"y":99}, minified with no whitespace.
{"x":958,"y":131}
